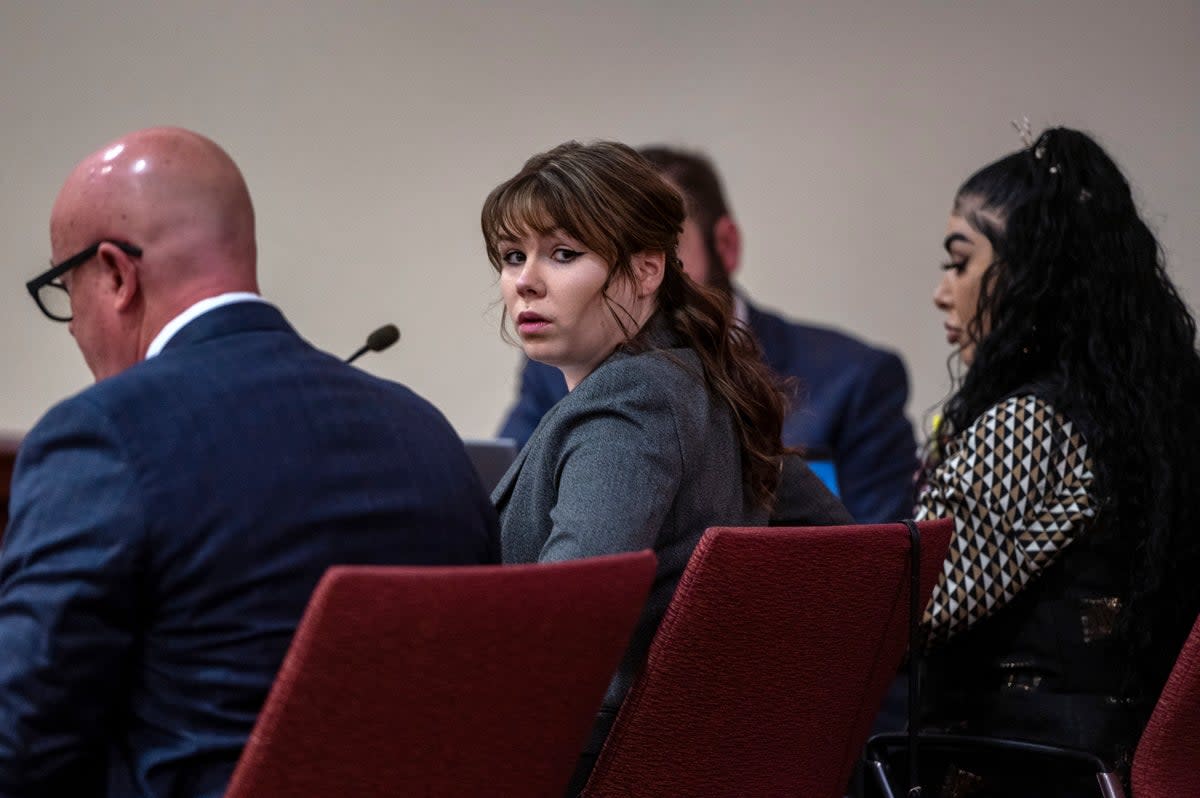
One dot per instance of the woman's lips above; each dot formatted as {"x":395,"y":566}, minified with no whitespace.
{"x":953,"y":334}
{"x":529,"y":323}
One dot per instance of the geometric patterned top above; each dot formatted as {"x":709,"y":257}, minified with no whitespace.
{"x":1018,"y":485}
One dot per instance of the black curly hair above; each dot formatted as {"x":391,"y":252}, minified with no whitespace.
{"x":1078,"y":303}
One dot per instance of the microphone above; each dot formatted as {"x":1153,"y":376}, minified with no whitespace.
{"x":377,"y":341}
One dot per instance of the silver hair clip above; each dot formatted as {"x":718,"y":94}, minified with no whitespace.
{"x":1024,"y":130}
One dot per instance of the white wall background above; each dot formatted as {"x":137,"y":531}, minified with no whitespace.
{"x":370,"y":132}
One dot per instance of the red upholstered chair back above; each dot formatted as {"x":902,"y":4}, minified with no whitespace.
{"x":770,"y":664}
{"x":1167,"y":760}
{"x":443,"y":681}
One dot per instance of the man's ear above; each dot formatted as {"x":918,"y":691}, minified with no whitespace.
{"x":727,"y":238}
{"x":121,"y":275}
{"x":648,"y":270}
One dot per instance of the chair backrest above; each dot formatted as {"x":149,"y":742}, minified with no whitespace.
{"x":1167,"y":760}
{"x":770,"y":664}
{"x":437,"y":681}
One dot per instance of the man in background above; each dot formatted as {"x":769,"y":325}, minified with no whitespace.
{"x":169,"y":523}
{"x":850,"y":406}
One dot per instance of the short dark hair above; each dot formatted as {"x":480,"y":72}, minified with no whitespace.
{"x":695,"y":174}
{"x":703,"y":196}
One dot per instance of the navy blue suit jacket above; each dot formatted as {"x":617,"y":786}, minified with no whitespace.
{"x":850,"y":405}
{"x":168,"y":526}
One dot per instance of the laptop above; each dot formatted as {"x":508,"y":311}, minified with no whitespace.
{"x":491,"y":458}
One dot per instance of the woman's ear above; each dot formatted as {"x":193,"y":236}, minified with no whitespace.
{"x":648,"y":270}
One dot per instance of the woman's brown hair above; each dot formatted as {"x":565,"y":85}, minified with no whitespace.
{"x":613,"y":200}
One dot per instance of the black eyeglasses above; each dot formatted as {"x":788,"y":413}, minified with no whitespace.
{"x":47,"y":289}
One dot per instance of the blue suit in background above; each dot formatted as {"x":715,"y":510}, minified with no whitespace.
{"x":850,"y":405}
{"x":168,"y":526}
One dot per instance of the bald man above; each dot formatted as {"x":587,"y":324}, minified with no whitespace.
{"x":169,"y":523}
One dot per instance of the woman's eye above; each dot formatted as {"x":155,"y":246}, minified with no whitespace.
{"x":957,"y":265}
{"x":564,"y":255}
{"x":513,"y":257}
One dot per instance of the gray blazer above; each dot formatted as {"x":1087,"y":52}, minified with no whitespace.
{"x":639,"y":456}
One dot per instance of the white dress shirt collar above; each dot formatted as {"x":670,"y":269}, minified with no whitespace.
{"x":194,"y":312}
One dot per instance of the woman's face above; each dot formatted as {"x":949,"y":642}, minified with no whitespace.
{"x":553,"y":290}
{"x":957,"y":293}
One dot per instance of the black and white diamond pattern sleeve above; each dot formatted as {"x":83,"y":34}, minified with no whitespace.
{"x":1018,"y":485}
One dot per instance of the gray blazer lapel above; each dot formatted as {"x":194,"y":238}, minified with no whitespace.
{"x":505,"y":485}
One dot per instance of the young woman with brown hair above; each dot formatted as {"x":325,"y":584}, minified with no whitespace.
{"x":672,"y":423}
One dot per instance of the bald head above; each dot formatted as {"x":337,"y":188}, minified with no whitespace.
{"x":170,"y":191}
{"x":178,"y":197}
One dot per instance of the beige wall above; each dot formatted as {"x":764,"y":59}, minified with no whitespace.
{"x":370,"y":133}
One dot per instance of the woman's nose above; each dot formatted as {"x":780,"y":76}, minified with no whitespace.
{"x":529,"y":281}
{"x":941,"y":293}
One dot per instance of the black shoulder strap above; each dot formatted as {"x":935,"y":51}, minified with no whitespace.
{"x":915,"y":612}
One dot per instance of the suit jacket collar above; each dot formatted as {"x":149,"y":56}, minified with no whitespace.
{"x":228,"y":320}
{"x":771,"y":335}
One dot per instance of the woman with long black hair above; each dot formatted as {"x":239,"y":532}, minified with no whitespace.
{"x":1069,"y":457}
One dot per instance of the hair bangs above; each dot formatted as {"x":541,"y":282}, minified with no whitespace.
{"x":531,"y":204}
{"x":512,"y":211}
